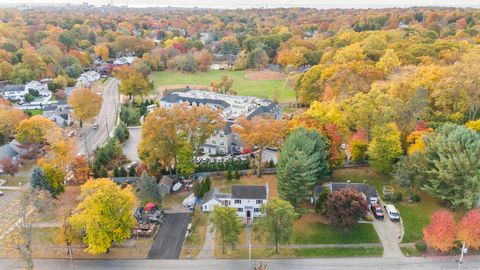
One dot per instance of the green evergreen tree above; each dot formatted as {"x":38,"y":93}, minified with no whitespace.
{"x":132,"y":172}
{"x":116,"y":172}
{"x":122,"y":172}
{"x":103,"y":172}
{"x":149,"y":191}
{"x":37,"y":180}
{"x":302,"y":162}
{"x":237,"y":175}
{"x":229,"y":174}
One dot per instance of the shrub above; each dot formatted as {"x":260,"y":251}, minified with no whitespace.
{"x":398,"y":197}
{"x":130,"y":115}
{"x":416,"y":198}
{"x":121,"y":132}
{"x":420,"y":245}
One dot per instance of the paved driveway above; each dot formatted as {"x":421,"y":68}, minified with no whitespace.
{"x":389,"y":233}
{"x":169,"y":240}
{"x":131,"y":145}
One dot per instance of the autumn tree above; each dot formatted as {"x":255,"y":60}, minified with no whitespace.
{"x":388,"y":62}
{"x":468,"y":229}
{"x":186,"y":166}
{"x":136,"y":84}
{"x":37,"y":130}
{"x":473,"y":125}
{"x":105,"y":214}
{"x":164,"y":129}
{"x":385,"y":147}
{"x":440,"y":234}
{"x":55,"y":178}
{"x":224,"y":86}
{"x":85,"y":104}
{"x":228,"y":224}
{"x":345,"y":207}
{"x":279,"y":216}
{"x":301,"y":164}
{"x":9,"y":166}
{"x":80,"y":169}
{"x":260,"y":132}
{"x":102,"y":51}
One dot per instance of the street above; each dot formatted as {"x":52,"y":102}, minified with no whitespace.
{"x":412,"y":263}
{"x":106,"y":119}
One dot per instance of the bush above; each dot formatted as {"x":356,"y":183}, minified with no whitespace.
{"x":121,"y":132}
{"x":416,"y":198}
{"x":220,"y":166}
{"x":130,"y":115}
{"x":387,"y":198}
{"x":398,"y":197}
{"x":420,"y":245}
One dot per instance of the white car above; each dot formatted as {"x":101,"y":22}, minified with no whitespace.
{"x":392,"y":212}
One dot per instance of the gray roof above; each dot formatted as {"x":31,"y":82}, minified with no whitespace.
{"x":14,"y":88}
{"x":7,"y":152}
{"x":317,"y":190}
{"x":369,"y":191}
{"x":166,"y":181}
{"x":175,"y":98}
{"x":249,"y":192}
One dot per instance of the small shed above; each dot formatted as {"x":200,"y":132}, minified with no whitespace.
{"x":166,"y":184}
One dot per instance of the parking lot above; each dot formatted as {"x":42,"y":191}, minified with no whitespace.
{"x":169,"y":239}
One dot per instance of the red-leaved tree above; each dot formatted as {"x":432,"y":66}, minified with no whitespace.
{"x":345,"y":207}
{"x":9,"y":166}
{"x":469,"y":229}
{"x":440,"y":234}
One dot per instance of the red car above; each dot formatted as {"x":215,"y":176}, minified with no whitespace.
{"x":377,"y":211}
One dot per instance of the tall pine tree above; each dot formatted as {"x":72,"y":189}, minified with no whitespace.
{"x":302,"y":162}
{"x":37,"y":180}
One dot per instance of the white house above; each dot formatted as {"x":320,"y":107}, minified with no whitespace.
{"x":127,"y":60}
{"x":14,"y":92}
{"x":88,"y":77}
{"x":248,"y":200}
{"x":41,"y":88}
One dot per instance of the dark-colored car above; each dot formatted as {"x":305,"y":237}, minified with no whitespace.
{"x":377,"y":211}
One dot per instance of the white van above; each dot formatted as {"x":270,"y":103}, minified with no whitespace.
{"x":392,"y":212}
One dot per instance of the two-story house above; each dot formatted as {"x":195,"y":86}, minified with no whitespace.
{"x":15,"y":92}
{"x":247,"y":200}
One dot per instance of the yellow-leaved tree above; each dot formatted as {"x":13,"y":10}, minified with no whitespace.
{"x":37,"y":130}
{"x":85,"y":104}
{"x":105,"y":213}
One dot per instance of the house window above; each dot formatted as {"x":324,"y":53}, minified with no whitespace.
{"x":213,"y":142}
{"x":259,"y":201}
{"x":240,"y":209}
{"x":256,"y":210}
{"x":238,"y":201}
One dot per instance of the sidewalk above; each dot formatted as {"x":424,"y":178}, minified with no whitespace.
{"x":209,"y":245}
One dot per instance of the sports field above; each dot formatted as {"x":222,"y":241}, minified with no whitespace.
{"x":246,"y":83}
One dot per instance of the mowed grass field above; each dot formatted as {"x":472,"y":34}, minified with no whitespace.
{"x":241,"y":84}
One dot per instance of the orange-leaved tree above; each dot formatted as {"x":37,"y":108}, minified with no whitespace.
{"x":260,"y":132}
{"x":440,"y":234}
{"x":469,"y":229}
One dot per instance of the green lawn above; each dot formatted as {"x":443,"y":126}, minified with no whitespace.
{"x":35,"y":111}
{"x":339,"y":252}
{"x":243,"y":86}
{"x":320,"y":233}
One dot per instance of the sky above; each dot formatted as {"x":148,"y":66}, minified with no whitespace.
{"x":263,"y":3}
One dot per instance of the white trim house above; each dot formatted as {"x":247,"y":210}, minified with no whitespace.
{"x":248,"y":200}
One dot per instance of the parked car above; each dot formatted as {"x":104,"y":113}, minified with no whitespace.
{"x":377,"y":211}
{"x":392,"y":212}
{"x":95,"y":126}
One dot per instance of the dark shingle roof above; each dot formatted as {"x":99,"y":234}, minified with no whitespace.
{"x":249,"y":192}
{"x":14,"y":87}
{"x":361,"y":187}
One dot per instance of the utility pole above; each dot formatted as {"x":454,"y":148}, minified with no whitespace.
{"x":106,"y":123}
{"x":250,"y":256}
{"x":86,"y":147}
{"x":463,"y":251}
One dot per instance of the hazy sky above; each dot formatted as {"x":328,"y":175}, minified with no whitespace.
{"x":262,"y":3}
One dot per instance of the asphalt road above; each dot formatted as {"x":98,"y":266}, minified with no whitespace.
{"x":106,"y":119}
{"x":169,"y":240}
{"x":445,"y":263}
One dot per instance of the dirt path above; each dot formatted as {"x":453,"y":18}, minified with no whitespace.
{"x":209,"y":245}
